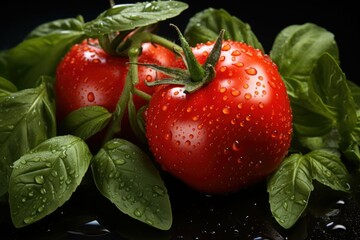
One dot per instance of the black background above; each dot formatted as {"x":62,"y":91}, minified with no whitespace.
{"x":243,"y":216}
{"x":267,"y":19}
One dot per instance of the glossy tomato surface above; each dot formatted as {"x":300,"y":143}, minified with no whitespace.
{"x":230,"y":133}
{"x":89,"y":76}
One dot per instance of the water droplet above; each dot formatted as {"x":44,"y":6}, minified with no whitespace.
{"x":164,"y":108}
{"x":222,"y":90}
{"x":39,"y":179}
{"x":223,"y":69}
{"x":42,"y":190}
{"x":195,"y":118}
{"x":168,"y":136}
{"x":236,"y":53}
{"x":236,"y":145}
{"x":91,"y":97}
{"x":251,"y":71}
{"x":235,"y":92}
{"x":158,"y":190}
{"x":28,"y":220}
{"x":41,"y":208}
{"x":148,"y":78}
{"x":247,"y":96}
{"x":285,"y":205}
{"x":226,"y":47}
{"x":138,"y":213}
{"x":272,"y":84}
{"x":119,"y":161}
{"x":226,"y":110}
{"x":274,"y":134}
{"x":238,"y":64}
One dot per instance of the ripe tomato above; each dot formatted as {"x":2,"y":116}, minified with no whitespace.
{"x":88,"y":76}
{"x":229,"y":134}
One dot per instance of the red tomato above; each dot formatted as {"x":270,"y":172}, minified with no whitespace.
{"x":88,"y":76}
{"x":229,"y":134}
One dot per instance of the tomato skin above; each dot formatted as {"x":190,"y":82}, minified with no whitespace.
{"x":89,"y":76}
{"x":229,"y":134}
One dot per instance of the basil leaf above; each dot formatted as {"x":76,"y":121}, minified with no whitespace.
{"x":26,"y":119}
{"x":328,"y":169}
{"x":60,"y":26}
{"x":85,"y":122}
{"x":38,"y":56}
{"x":45,"y":178}
{"x":206,"y":25}
{"x":6,"y":87}
{"x":329,"y":83}
{"x":290,"y":186}
{"x":125,"y":175}
{"x":297,"y":47}
{"x":355,"y":92}
{"x":125,"y":17}
{"x":289,"y":190}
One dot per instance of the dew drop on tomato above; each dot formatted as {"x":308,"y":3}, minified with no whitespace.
{"x":251,"y":71}
{"x":247,"y":96}
{"x":91,"y":97}
{"x":236,"y":145}
{"x":168,"y":136}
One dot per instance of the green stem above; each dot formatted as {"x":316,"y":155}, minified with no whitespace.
{"x":142,"y":94}
{"x":142,"y":37}
{"x":132,"y":78}
{"x":115,"y":124}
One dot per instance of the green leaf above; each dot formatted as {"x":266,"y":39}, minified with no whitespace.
{"x":126,"y":176}
{"x":60,"y":26}
{"x":26,"y":119}
{"x":291,"y":185}
{"x":45,"y":178}
{"x":297,"y":47}
{"x":307,"y":120}
{"x":6,"y":87}
{"x":205,"y":26}
{"x":355,"y":92}
{"x":289,"y":190}
{"x":329,"y":83}
{"x":38,"y":56}
{"x":87,"y":121}
{"x":125,"y":17}
{"x":328,"y":169}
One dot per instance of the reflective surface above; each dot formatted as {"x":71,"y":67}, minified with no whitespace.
{"x":244,"y":215}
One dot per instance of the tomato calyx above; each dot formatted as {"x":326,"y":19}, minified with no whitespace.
{"x":195,"y":75}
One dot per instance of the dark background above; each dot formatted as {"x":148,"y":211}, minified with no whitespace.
{"x":195,"y":215}
{"x":17,"y":18}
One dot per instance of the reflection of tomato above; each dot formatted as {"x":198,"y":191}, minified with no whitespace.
{"x":87,"y":76}
{"x":230,"y":133}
